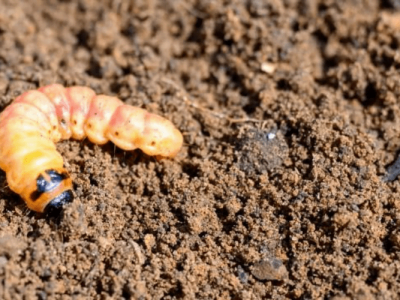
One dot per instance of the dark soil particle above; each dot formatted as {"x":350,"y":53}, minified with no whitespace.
{"x":290,"y":115}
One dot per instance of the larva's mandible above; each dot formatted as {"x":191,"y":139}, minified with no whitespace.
{"x":36,"y":120}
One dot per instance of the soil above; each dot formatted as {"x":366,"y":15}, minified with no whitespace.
{"x":290,"y":113}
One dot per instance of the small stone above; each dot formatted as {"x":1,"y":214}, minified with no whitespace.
{"x":104,"y":242}
{"x":149,"y":241}
{"x":3,"y":261}
{"x":268,"y":67}
{"x":139,"y":255}
{"x":243,"y":277}
{"x":270,"y":269}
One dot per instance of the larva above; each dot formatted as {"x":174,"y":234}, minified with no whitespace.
{"x":32,"y":124}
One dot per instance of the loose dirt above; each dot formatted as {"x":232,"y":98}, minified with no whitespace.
{"x":290,"y":112}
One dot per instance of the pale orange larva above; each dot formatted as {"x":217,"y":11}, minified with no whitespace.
{"x":32,"y":124}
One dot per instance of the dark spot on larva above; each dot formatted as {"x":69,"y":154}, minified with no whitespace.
{"x":63,"y":122}
{"x":89,"y":125}
{"x":75,"y":122}
{"x":116,"y":133}
{"x":54,"y":127}
{"x":153,"y":143}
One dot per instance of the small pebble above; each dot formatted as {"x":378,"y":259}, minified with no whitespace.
{"x":243,"y":277}
{"x":268,"y":68}
{"x":269,"y":269}
{"x":271,"y":136}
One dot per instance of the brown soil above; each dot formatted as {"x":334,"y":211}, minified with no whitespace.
{"x":290,"y":114}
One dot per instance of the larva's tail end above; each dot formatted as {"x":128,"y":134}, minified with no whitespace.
{"x":162,"y":143}
{"x":55,"y":207}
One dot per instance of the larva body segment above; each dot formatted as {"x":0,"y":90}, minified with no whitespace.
{"x":132,"y":127}
{"x":31,"y":125}
{"x":159,"y":133}
{"x":79,"y":101}
{"x":57,"y":95}
{"x":126,"y":125}
{"x":101,"y":110}
{"x":45,"y":105}
{"x":27,"y":111}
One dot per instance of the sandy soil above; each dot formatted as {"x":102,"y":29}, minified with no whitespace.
{"x":291,"y":116}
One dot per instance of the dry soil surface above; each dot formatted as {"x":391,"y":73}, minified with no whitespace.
{"x":290,"y":112}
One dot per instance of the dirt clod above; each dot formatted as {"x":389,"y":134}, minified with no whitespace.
{"x":261,"y":150}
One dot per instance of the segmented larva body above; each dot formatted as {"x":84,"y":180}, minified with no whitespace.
{"x":36,"y":120}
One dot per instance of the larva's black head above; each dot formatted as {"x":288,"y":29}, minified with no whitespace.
{"x":46,"y":185}
{"x":55,"y":206}
{"x":50,"y":192}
